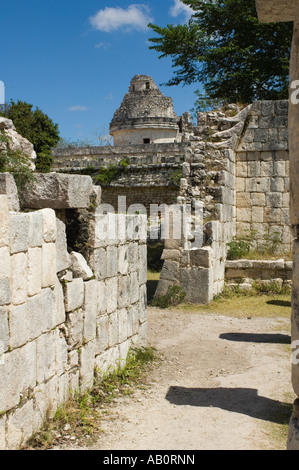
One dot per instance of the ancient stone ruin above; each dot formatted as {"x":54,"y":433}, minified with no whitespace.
{"x":73,"y":244}
{"x":232,"y":165}
{"x":145,"y":116}
{"x":72,"y":295}
{"x":275,"y":11}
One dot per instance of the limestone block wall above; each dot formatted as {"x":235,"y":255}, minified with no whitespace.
{"x":262,"y":174}
{"x":62,"y":320}
{"x":197,"y":265}
{"x":245,"y":272}
{"x":137,"y":136}
{"x":223,"y":231}
{"x":235,"y":161}
{"x":77,"y":158}
{"x":151,"y":175}
{"x":145,"y":196}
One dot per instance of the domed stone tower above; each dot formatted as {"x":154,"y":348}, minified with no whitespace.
{"x":145,"y":116}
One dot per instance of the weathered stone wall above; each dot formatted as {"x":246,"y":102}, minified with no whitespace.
{"x":145,"y":113}
{"x":151,"y":175}
{"x":234,"y":161}
{"x":197,"y":265}
{"x":272,"y":11}
{"x":140,"y":195}
{"x":262,"y":175}
{"x":63,"y":318}
{"x":245,"y":272}
{"x":72,"y":159}
{"x":138,"y":136}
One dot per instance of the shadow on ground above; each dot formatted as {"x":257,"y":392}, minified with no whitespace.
{"x":280,"y":303}
{"x":257,"y":337}
{"x":237,"y":400}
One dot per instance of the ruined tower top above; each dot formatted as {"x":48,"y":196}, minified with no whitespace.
{"x":145,"y":115}
{"x":141,"y":83}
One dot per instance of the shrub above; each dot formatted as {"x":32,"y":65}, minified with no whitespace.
{"x":108,"y":174}
{"x":237,"y":249}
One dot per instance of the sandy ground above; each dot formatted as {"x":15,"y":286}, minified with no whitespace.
{"x":219,"y":385}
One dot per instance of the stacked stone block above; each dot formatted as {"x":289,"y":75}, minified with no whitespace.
{"x":262,"y":175}
{"x":72,"y":159}
{"x":61,"y":323}
{"x":234,"y":161}
{"x":120,"y":268}
{"x":199,"y":270}
{"x":245,"y":272}
{"x":146,"y":196}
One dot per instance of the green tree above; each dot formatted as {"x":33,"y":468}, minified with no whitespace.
{"x":226,"y":49}
{"x":35,"y":126}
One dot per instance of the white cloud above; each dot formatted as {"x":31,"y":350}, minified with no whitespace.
{"x":178,"y":8}
{"x":102,"y":45}
{"x":109,"y":97}
{"x":110,"y":19}
{"x":77,"y":108}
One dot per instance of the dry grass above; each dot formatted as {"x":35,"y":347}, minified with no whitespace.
{"x":246,"y":306}
{"x":79,"y":419}
{"x":241,"y":304}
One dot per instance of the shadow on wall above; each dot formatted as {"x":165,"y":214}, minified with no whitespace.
{"x":151,"y":289}
{"x":238,"y":400}
{"x":154,"y":266}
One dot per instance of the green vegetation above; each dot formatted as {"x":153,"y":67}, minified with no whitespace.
{"x":82,"y":414}
{"x":105,"y":175}
{"x":108,"y":174}
{"x":36,"y":127}
{"x":14,"y":162}
{"x":226,"y":49}
{"x":176,"y":176}
{"x":248,"y":247}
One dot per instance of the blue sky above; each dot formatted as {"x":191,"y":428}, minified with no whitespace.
{"x":75,"y":59}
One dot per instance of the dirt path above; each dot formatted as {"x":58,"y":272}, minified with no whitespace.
{"x":221,"y":381}
{"x":219,"y":385}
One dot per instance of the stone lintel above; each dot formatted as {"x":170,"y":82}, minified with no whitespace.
{"x":58,"y":191}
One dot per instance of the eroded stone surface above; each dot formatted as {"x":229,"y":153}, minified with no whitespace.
{"x":270,"y":11}
{"x":58,"y":191}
